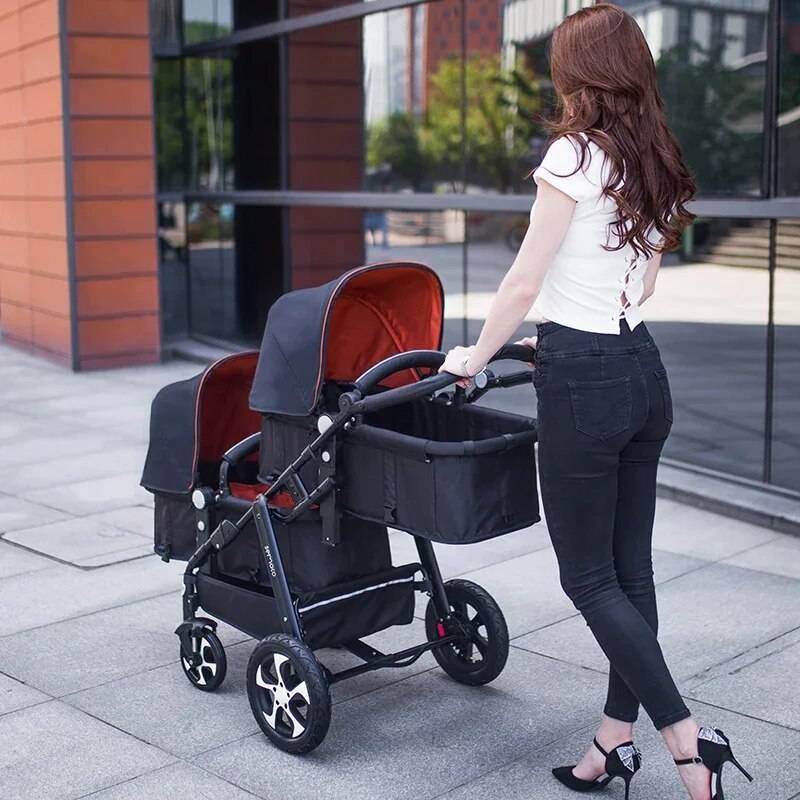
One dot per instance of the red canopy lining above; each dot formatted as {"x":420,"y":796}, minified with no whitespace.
{"x":380,"y":313}
{"x":223,"y":414}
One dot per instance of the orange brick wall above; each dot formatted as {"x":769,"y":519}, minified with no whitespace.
{"x":108,"y":173}
{"x":113,"y":182}
{"x":34,"y":275}
{"x":326,"y":146}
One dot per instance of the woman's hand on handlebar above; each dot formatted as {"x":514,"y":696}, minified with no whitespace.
{"x":457,"y":362}
{"x":528,"y":341}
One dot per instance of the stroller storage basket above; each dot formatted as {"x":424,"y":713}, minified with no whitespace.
{"x":338,"y":614}
{"x":450,"y":474}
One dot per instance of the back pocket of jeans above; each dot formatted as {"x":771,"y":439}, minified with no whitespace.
{"x":601,"y":409}
{"x":666,"y":392}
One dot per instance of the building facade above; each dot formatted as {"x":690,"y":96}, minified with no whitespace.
{"x":169,"y":167}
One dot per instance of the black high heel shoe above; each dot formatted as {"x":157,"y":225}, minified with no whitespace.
{"x":623,"y":762}
{"x":714,"y":749}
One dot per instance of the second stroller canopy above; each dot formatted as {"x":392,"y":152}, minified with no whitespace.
{"x":338,"y":330}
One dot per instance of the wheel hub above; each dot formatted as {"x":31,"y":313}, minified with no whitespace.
{"x":282,"y":703}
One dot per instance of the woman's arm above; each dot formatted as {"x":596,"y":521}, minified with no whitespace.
{"x":650,"y":275}
{"x":521,"y":284}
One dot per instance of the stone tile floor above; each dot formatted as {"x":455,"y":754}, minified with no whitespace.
{"x":93,"y":702}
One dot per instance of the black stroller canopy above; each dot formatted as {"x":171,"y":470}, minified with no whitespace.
{"x":338,"y":330}
{"x":193,"y":422}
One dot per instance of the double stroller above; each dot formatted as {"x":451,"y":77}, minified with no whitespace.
{"x":277,"y":474}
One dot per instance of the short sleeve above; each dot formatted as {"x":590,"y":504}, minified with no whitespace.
{"x":559,"y":168}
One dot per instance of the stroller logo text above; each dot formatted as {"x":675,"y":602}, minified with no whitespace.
{"x":270,"y":562}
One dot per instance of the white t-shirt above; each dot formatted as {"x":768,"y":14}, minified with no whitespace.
{"x":583,"y":286}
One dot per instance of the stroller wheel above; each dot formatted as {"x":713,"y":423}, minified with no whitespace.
{"x":208,"y":674}
{"x":481,"y":654}
{"x":288,"y":693}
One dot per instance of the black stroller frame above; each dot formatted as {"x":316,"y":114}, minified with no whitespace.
{"x":287,"y":686}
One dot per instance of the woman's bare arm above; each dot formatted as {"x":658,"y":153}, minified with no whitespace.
{"x":650,"y":275}
{"x":521,"y":284}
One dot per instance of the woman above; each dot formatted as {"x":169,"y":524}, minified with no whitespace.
{"x":588,"y":261}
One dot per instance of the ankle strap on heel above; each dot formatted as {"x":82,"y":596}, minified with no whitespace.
{"x":599,"y":747}
{"x":693,"y":760}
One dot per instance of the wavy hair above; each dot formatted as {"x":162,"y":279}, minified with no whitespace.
{"x":605,"y":81}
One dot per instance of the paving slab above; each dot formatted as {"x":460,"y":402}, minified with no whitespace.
{"x":61,"y":592}
{"x":40,"y":450}
{"x":98,"y":648}
{"x":530,"y":594}
{"x":99,"y":494}
{"x":16,"y":561}
{"x":460,"y":559}
{"x":16,"y":513}
{"x":15,"y":695}
{"x":781,"y":556}
{"x":765,"y":688}
{"x":19,"y":478}
{"x":528,"y":591}
{"x":770,"y":753}
{"x":420,"y":737}
{"x":706,"y":618}
{"x":138,"y":519}
{"x":54,"y":751}
{"x":176,"y":780}
{"x":188,"y":721}
{"x":79,"y":540}
{"x":702,"y":534}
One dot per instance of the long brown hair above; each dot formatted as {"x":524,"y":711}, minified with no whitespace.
{"x":605,"y":80}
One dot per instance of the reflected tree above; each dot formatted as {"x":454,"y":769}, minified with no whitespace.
{"x":716,"y":113}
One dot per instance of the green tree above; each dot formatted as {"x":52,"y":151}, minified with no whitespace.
{"x":715,"y":112}
{"x":394,"y":144}
{"x":500,"y":108}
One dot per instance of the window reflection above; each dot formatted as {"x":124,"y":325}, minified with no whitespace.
{"x":789,"y":101}
{"x":209,"y":123}
{"x":212,"y":285}
{"x":786,"y":403}
{"x":173,"y":270}
{"x":708,"y":317}
{"x":206,"y":19}
{"x":711,"y":64}
{"x":170,"y":139}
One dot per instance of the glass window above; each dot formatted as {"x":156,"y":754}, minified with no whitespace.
{"x":786,"y":402}
{"x":712,"y":82}
{"x":206,"y":19}
{"x":235,"y":269}
{"x":173,"y":269}
{"x":789,"y":101}
{"x":325,"y":108}
{"x":170,"y":132}
{"x":165,"y":25}
{"x":708,"y":317}
{"x":209,"y":124}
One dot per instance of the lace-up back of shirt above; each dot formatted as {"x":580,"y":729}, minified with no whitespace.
{"x":586,"y":286}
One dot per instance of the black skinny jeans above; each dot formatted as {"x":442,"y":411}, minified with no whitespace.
{"x":605,"y":410}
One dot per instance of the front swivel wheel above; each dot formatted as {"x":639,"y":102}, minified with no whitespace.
{"x":481,"y":650}
{"x":206,"y":664}
{"x":288,"y":693}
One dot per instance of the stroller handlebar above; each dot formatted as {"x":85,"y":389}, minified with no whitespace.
{"x":359,"y":403}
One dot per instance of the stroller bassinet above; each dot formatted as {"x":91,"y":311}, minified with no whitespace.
{"x":281,"y":504}
{"x":452,"y":474}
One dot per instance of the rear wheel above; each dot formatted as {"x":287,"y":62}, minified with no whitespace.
{"x":288,"y":693}
{"x":481,"y":651}
{"x":210,"y":663}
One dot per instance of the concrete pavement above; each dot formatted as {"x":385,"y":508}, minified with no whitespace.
{"x":93,"y":702}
